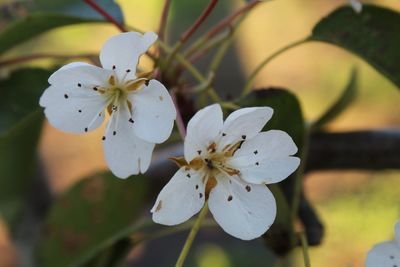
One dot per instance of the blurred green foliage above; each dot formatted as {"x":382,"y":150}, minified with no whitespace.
{"x":91,"y":217}
{"x":20,"y":127}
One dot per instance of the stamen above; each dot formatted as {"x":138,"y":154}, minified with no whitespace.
{"x":135,"y":84}
{"x":65,"y":96}
{"x":79,"y":85}
{"x":111,"y":80}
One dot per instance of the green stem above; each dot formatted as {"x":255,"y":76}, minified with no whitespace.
{"x":192,"y":235}
{"x":192,"y":69}
{"x":299,"y":173}
{"x":253,"y":75}
{"x":304,"y":244}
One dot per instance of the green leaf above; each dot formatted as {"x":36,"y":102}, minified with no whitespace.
{"x":20,"y":95}
{"x":92,"y":216}
{"x":373,"y":35}
{"x":79,"y":9}
{"x":348,"y":96}
{"x":287,"y":111}
{"x":33,"y":25}
{"x":20,"y":126}
{"x":287,"y":117}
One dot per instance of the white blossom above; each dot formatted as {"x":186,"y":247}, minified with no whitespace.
{"x":386,"y":254}
{"x":356,"y":5}
{"x":229,"y":163}
{"x":141,"y":110}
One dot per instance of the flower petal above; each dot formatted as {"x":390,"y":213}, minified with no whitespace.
{"x":243,"y":210}
{"x":180,"y":199}
{"x":153,"y":112}
{"x":70,"y":103}
{"x":244,"y":124}
{"x":203,"y":129}
{"x":125,"y":153}
{"x":266,"y":158}
{"x":386,"y":254}
{"x":121,"y":52}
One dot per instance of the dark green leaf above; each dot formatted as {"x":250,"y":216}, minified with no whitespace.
{"x":90,"y":218}
{"x":347,"y":97}
{"x":20,"y":95}
{"x":31,"y":26}
{"x":20,"y":125}
{"x":287,"y":117}
{"x":373,"y":35}
{"x":78,"y":8}
{"x":287,"y":111}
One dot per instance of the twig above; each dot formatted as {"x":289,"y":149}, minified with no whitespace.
{"x":105,"y":14}
{"x":179,"y":120}
{"x":163,"y":22}
{"x":228,"y":20}
{"x":21,"y":59}
{"x":199,"y":21}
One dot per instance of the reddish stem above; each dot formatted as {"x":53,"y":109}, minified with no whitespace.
{"x":163,"y":21}
{"x":179,"y":120}
{"x":228,"y":20}
{"x":40,"y":56}
{"x":199,"y":21}
{"x":105,"y":14}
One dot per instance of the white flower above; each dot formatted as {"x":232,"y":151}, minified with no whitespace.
{"x":356,"y":5}
{"x":229,"y":163}
{"x":385,"y":254}
{"x":141,"y":111}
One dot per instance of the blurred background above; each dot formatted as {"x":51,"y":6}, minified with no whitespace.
{"x":358,"y":209}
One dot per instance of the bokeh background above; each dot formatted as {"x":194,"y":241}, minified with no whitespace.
{"x":358,"y":209}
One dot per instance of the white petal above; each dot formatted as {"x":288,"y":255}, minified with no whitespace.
{"x":153,"y":112}
{"x":70,"y":103}
{"x":79,"y":72}
{"x":123,"y":52}
{"x":180,"y":199}
{"x":356,"y":5}
{"x":266,"y":158}
{"x":203,"y":129}
{"x":386,"y":254}
{"x":243,"y":210}
{"x":244,"y":124}
{"x":125,"y":153}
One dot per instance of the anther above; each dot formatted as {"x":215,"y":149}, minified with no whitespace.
{"x":255,"y":152}
{"x":230,"y":198}
{"x":79,"y":85}
{"x":131,"y":120}
{"x":86,"y":129}
{"x":188,"y":175}
{"x":243,"y":137}
{"x":95,"y":88}
{"x":103,"y":138}
{"x":114,"y":132}
{"x":200,"y":195}
{"x":128,"y":70}
{"x":113,"y":67}
{"x":65,"y":96}
{"x":146,"y":82}
{"x":223,"y":134}
{"x":248,"y":188}
{"x":80,"y":111}
{"x":257,"y":163}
